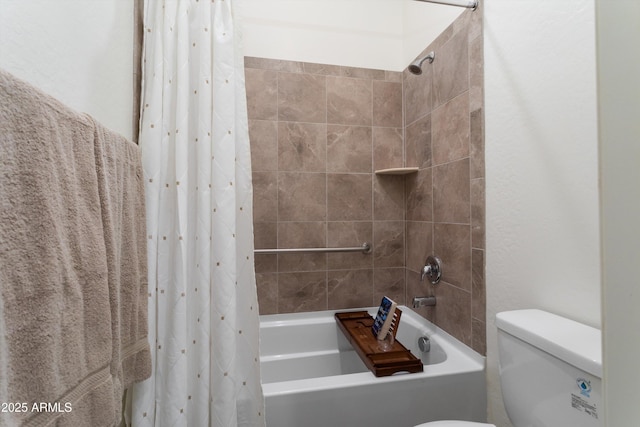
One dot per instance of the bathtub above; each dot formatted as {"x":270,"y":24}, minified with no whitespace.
{"x":311,"y":376}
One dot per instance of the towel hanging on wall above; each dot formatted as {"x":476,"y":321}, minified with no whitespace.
{"x":73,"y":279}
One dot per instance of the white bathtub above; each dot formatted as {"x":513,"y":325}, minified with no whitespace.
{"x":312,"y":377}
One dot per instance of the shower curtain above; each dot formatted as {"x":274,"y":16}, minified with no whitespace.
{"x":203,"y":306}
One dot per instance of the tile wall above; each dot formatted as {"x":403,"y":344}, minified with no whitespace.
{"x":318,"y":133}
{"x":444,"y":138}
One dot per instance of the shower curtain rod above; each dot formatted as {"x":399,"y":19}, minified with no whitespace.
{"x":471,"y":4}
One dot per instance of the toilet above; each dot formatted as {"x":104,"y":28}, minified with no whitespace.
{"x":550,"y":371}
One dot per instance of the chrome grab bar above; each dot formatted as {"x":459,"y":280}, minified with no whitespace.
{"x":365,"y":249}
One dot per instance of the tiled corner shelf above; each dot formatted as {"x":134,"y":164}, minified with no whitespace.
{"x":397,"y":171}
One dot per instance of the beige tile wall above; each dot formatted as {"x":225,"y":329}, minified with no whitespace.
{"x":318,"y":133}
{"x":445,"y":199}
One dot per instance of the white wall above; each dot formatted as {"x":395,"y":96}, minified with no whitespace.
{"x":78,"y":51}
{"x":81,"y":51}
{"x":541,"y":165}
{"x":422,"y":23}
{"x":619,"y":125}
{"x":379,"y":34}
{"x":356,"y":33}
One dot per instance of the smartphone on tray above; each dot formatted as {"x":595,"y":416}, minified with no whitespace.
{"x":384,"y":318}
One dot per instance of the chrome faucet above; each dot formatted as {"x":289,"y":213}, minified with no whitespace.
{"x":433,"y":271}
{"x":423,"y":302}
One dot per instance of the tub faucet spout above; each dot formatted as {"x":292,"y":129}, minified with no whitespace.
{"x":423,"y":301}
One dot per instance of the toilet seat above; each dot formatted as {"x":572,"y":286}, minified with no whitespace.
{"x":454,"y":423}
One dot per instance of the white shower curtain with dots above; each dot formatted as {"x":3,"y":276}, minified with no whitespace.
{"x":203,"y":305}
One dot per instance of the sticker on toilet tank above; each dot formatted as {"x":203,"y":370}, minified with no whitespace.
{"x":582,"y":402}
{"x":584,"y":386}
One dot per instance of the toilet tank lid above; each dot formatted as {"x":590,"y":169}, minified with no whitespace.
{"x":575,"y":343}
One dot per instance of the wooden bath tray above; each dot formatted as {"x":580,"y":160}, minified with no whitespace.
{"x":356,"y":326}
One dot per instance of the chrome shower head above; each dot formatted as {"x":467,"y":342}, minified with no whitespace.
{"x":416,"y":66}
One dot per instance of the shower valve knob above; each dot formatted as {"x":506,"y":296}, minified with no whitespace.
{"x":432,"y":269}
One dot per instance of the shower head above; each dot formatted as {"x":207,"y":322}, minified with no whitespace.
{"x":416,"y":66}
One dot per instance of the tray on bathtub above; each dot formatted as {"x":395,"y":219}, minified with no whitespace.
{"x":356,"y":326}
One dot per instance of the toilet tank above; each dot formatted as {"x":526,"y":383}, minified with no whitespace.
{"x":550,"y":370}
